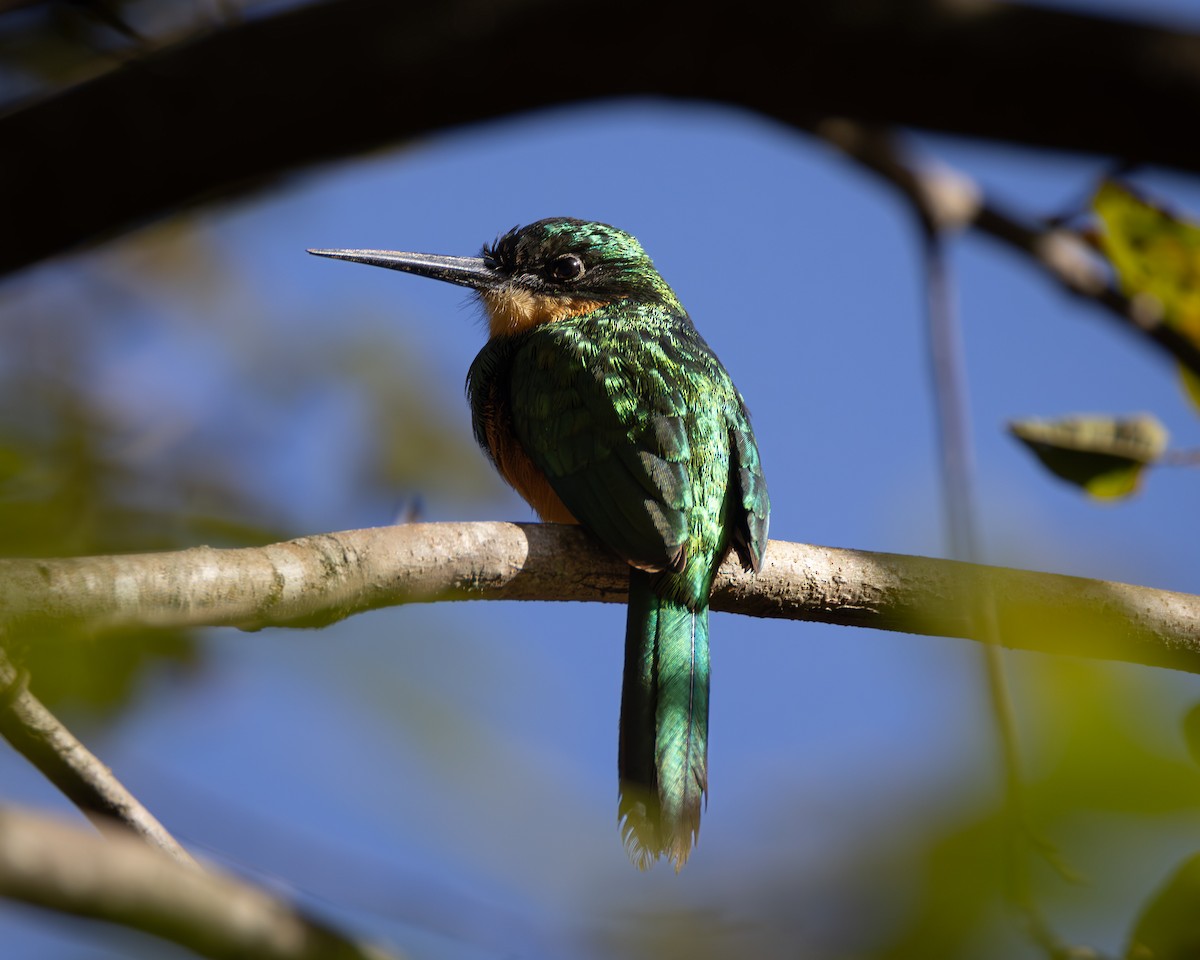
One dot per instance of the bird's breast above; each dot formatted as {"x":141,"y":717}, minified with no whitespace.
{"x":495,"y":429}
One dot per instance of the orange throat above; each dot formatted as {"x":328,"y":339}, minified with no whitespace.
{"x":513,"y":310}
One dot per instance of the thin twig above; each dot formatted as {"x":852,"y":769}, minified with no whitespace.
{"x":951,"y":406}
{"x":42,"y":739}
{"x":1180,"y":458}
{"x":949,"y":396}
{"x":946,"y":200}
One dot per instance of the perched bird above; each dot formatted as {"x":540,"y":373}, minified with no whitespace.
{"x":599,"y":402}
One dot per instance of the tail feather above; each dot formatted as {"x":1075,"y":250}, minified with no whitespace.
{"x":663,"y":753}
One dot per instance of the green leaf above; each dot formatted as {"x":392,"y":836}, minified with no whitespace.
{"x":1169,"y":927}
{"x":1156,"y":257}
{"x":1104,"y":456}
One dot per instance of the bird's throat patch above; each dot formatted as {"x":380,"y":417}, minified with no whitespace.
{"x":514,"y":310}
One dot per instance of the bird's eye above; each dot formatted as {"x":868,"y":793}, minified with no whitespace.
{"x":566,"y":267}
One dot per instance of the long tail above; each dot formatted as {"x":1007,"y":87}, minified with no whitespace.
{"x":663,"y":754}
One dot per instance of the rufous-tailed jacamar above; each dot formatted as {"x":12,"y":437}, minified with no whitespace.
{"x":599,"y":402}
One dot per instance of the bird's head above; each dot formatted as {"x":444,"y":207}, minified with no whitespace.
{"x":547,"y":271}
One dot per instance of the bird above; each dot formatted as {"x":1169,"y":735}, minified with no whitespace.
{"x":598,"y":401}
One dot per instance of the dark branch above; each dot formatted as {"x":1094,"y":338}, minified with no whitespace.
{"x":229,"y":110}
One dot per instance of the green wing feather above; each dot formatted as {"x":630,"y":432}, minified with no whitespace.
{"x":610,"y":433}
{"x":632,"y":424}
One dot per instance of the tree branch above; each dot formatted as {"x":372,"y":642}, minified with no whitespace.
{"x":39,"y":736}
{"x":951,"y":200}
{"x":48,"y":864}
{"x":228,"y":110}
{"x":319,"y":579}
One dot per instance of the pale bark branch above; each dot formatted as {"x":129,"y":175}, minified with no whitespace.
{"x":43,"y":740}
{"x":228,"y":110}
{"x":122,"y":881}
{"x":317,"y":580}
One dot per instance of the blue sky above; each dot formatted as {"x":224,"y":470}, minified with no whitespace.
{"x":451,"y":768}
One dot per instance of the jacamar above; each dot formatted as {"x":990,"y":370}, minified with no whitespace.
{"x":599,"y":402}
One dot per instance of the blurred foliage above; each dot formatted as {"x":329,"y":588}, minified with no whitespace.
{"x":932,"y":875}
{"x":66,"y":489}
{"x":411,"y":429}
{"x":152,"y":406}
{"x":1156,"y":256}
{"x":415,"y":447}
{"x":1105,"y":773}
{"x":1105,"y":456}
{"x":1191,"y":732}
{"x":1168,"y":930}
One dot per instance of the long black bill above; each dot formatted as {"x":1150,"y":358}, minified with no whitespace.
{"x":465,"y":271}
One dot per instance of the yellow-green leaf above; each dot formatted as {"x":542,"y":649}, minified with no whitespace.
{"x":1191,"y":732}
{"x":1156,"y":256}
{"x":1105,"y":456}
